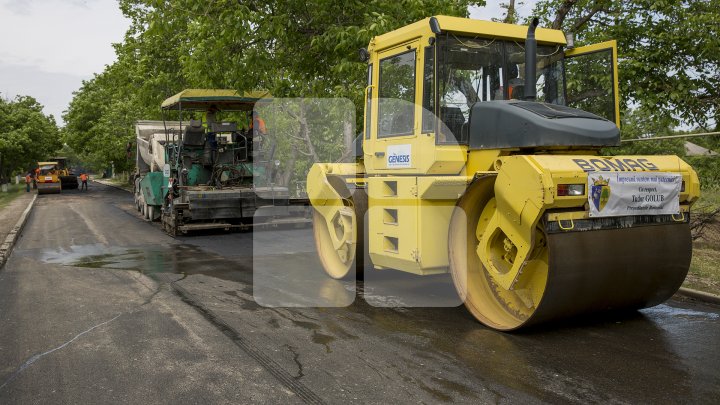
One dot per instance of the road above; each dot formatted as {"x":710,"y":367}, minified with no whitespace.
{"x":98,"y":306}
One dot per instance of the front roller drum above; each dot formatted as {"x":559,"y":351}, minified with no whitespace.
{"x":626,"y":268}
{"x":49,"y":188}
{"x":569,"y":272}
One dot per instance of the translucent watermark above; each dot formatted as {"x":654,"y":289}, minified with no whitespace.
{"x":289,"y":137}
{"x":340,"y":215}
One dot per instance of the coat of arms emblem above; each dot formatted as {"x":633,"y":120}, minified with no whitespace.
{"x":600,"y":192}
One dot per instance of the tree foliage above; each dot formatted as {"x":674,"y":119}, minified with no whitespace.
{"x":669,"y":52}
{"x":669,"y":64}
{"x":291,"y":48}
{"x":27,"y":135}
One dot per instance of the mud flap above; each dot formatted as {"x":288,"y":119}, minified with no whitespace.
{"x":610,"y":269}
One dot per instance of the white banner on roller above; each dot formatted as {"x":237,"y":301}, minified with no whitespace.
{"x":614,"y":194}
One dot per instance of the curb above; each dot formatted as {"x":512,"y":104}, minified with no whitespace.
{"x":7,"y":245}
{"x":699,"y":295}
{"x":112,"y":185}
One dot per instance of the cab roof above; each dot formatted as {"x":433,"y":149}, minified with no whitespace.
{"x":204,"y":99}
{"x":47,"y":163}
{"x":465,"y":26}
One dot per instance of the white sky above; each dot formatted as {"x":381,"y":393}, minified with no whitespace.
{"x":49,"y":46}
{"x":492,"y":9}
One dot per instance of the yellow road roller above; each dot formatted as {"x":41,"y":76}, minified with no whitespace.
{"x":481,"y":157}
{"x":48,"y":178}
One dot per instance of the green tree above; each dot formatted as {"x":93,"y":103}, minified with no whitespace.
{"x":27,"y":135}
{"x":639,"y":124}
{"x":669,"y":52}
{"x":291,"y":48}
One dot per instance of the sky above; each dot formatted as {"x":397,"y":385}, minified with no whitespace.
{"x":492,"y":9}
{"x":49,"y":47}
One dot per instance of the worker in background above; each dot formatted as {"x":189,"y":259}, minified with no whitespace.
{"x":257,"y":125}
{"x":28,"y":180}
{"x":83,"y":179}
{"x":35,"y":177}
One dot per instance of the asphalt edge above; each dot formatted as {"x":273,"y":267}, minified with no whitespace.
{"x":112,"y":185}
{"x":14,"y":234}
{"x":699,"y":295}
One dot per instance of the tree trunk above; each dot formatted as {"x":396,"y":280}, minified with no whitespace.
{"x":348,"y":134}
{"x":562,"y":12}
{"x":288,"y":170}
{"x":305,"y":132}
{"x":510,"y":17}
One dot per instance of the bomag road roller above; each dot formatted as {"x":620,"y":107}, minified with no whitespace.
{"x":481,"y":157}
{"x":48,"y":178}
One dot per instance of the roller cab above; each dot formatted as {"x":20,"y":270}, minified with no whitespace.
{"x":481,"y":157}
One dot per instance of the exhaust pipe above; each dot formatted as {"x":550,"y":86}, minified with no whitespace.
{"x":531,"y":61}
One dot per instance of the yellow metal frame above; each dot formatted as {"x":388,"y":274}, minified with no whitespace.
{"x":464,"y":26}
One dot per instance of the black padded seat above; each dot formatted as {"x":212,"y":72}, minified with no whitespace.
{"x":194,"y":134}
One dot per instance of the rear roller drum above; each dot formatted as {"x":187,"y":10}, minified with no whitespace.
{"x":484,"y":297}
{"x":339,"y":239}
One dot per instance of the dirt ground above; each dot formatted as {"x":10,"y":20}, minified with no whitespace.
{"x":10,"y":213}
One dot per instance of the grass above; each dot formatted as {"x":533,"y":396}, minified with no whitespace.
{"x":704,"y":272}
{"x":14,"y":191}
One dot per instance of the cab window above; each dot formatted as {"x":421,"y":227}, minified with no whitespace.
{"x":471,"y":71}
{"x":396,"y":93}
{"x":590,"y":83}
{"x":428,"y":112}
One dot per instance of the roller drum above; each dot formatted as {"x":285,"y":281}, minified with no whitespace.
{"x":48,"y":188}
{"x":612,"y":269}
{"x":598,"y":264}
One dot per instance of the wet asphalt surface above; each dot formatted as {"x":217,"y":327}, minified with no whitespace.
{"x":98,"y":306}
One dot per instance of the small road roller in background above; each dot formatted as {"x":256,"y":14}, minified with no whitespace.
{"x":481,"y":157}
{"x":48,"y":178}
